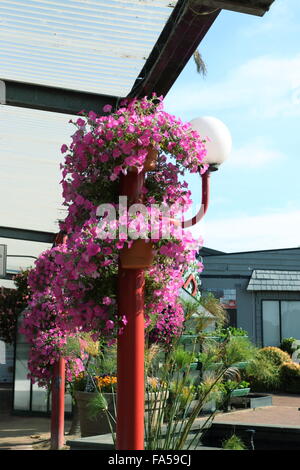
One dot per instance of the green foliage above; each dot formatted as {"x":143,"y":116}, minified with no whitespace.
{"x":234,"y":443}
{"x":229,"y":385}
{"x":235,"y":350}
{"x":99,"y":405}
{"x":287,"y":345}
{"x":178,"y":409}
{"x":101,"y":361}
{"x":182,"y":358}
{"x":226,"y":388}
{"x":215,"y":307}
{"x":72,"y":347}
{"x":290,"y":377}
{"x":230,"y":331}
{"x":12,"y":302}
{"x":21,"y":283}
{"x":187,"y":397}
{"x":184,"y":393}
{"x":275,"y":355}
{"x":263,"y":372}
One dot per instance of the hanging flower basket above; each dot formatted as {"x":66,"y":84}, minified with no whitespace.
{"x":138,"y":256}
{"x":151,"y":159}
{"x":74,"y":286}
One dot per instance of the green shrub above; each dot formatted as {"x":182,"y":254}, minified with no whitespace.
{"x":234,"y":443}
{"x":229,"y":385}
{"x":232,"y":331}
{"x":287,"y":345}
{"x":275,"y":355}
{"x":263,"y":372}
{"x":290,"y":377}
{"x":237,"y":349}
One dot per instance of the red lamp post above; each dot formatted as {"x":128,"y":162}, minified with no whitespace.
{"x":58,"y":390}
{"x":130,"y":352}
{"x":58,"y":405}
{"x":130,"y":355}
{"x":131,"y":282}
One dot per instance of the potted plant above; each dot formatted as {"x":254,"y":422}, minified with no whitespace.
{"x":230,"y":389}
{"x":96,"y":404}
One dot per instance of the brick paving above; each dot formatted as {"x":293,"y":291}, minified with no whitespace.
{"x":25,"y":432}
{"x":284,"y":411}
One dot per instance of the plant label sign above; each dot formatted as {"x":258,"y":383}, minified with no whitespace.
{"x":3,"y":255}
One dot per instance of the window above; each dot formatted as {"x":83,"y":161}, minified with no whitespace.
{"x":290,"y":319}
{"x":281,"y":319}
{"x":271,"y":323}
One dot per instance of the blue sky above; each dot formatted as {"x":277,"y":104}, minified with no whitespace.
{"x":253,"y":86}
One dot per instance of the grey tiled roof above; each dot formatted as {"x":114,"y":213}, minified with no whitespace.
{"x":274,"y":280}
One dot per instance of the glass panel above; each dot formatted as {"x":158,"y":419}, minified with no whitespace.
{"x":6,"y":362}
{"x":39,"y":398}
{"x":271,"y":325}
{"x":290,"y":319}
{"x":22,"y":384}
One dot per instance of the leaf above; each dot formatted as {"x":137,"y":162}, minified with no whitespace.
{"x":201,"y":67}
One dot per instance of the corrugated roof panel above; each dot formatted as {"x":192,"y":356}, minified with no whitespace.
{"x":97,"y":46}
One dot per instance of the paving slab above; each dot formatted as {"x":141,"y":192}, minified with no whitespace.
{"x":33,"y":433}
{"x":283,"y":412}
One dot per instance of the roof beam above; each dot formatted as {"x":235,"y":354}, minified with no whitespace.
{"x":45,"y":98}
{"x":30,"y":235}
{"x":185,"y":29}
{"x":182,"y":34}
{"x":252,"y":7}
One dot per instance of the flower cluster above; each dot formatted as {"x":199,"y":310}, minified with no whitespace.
{"x":169,"y":324}
{"x":74,"y":285}
{"x":104,"y":147}
{"x":106,"y":383}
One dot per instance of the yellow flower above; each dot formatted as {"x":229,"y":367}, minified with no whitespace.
{"x":106,"y":382}
{"x":80,"y":376}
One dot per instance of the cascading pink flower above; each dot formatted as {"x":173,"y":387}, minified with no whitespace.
{"x":74,"y":285}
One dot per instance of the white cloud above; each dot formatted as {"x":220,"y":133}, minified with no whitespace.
{"x":266,"y":86}
{"x":270,"y":230}
{"x":255,"y":154}
{"x":281,"y":17}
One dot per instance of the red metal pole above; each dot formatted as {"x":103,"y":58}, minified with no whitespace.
{"x":204,"y":202}
{"x":58,"y":388}
{"x":130,"y":355}
{"x":131,"y":393}
{"x":58,"y":405}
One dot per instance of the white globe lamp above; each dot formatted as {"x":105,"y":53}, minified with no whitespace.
{"x":218,"y":139}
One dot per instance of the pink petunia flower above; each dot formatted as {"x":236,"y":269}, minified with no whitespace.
{"x":107,"y":108}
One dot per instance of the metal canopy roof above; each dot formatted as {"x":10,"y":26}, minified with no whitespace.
{"x":266,"y":280}
{"x":67,"y":55}
{"x":95,"y":46}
